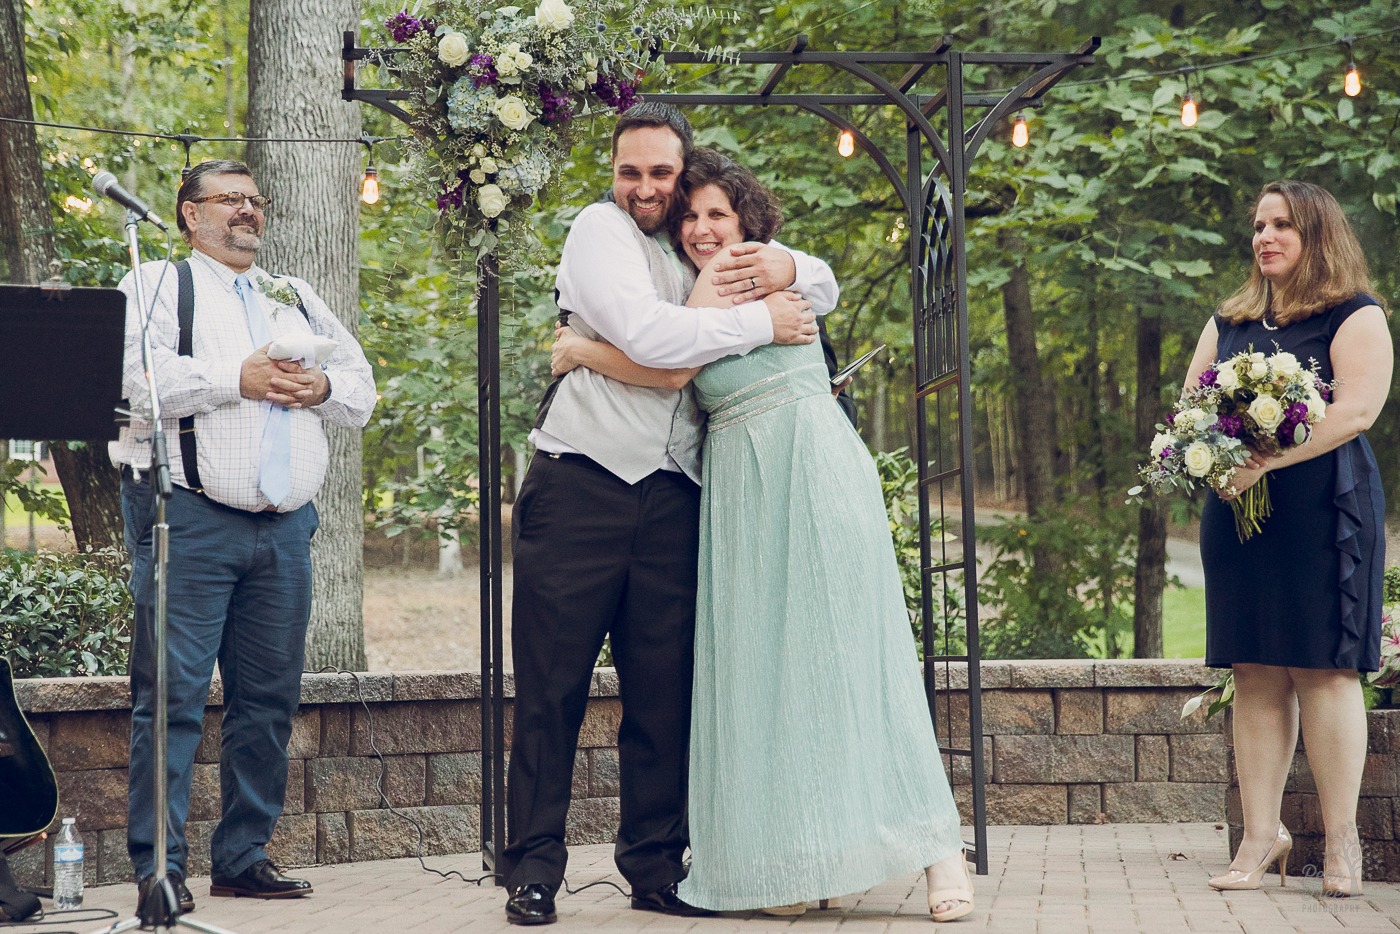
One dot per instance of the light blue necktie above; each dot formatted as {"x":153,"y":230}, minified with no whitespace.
{"x":275,"y":459}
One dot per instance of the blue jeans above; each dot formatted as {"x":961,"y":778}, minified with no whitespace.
{"x":240,"y":592}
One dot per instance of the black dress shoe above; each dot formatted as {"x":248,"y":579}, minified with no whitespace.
{"x":260,"y":880}
{"x":531,"y":904}
{"x":667,"y":902}
{"x":182,"y":891}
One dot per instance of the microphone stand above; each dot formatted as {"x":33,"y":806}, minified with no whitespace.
{"x":159,"y":907}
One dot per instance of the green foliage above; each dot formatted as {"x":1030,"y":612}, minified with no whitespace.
{"x":65,"y":615}
{"x":1390,"y":586}
{"x":1060,"y":583}
{"x":899,"y":483}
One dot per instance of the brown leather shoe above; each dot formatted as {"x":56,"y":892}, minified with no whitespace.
{"x":260,"y":880}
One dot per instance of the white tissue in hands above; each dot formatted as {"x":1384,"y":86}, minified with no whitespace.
{"x":307,"y":349}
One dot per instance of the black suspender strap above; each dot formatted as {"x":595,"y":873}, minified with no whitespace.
{"x":189,"y":453}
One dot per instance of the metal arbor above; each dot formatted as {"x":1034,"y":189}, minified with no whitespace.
{"x":932,"y":197}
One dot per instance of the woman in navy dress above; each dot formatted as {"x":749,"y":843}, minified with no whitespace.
{"x":1295,"y":610}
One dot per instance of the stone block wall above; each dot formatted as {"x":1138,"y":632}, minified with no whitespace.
{"x":1377,"y":813}
{"x":1065,"y":742}
{"x":1084,"y":742}
{"x":426,"y":725}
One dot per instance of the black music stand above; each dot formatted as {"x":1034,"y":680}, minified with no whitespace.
{"x":62,"y":378}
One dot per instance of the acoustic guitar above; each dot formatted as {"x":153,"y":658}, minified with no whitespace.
{"x":28,"y":789}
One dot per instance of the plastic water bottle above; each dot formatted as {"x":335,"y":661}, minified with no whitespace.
{"x":68,"y":867}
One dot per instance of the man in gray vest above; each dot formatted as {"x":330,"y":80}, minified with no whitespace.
{"x":606,"y":527}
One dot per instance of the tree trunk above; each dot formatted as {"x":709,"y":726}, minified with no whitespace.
{"x":89,"y":480}
{"x":1035,"y":400}
{"x":1150,"y":578}
{"x":294,"y":71}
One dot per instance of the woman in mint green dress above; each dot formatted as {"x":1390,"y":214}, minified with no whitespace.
{"x":814,"y":769}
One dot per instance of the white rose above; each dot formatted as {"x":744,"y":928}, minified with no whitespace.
{"x":477,"y":176}
{"x":1258,"y":366}
{"x":1285,"y":364}
{"x":553,"y":15}
{"x":512,"y":60}
{"x":453,"y":49}
{"x":511,"y":111}
{"x":1227,"y":379}
{"x":1160,"y":443}
{"x":1198,"y":459}
{"x":578,"y":84}
{"x":488,"y":165}
{"x":1266,"y":412}
{"x":491,"y":200}
{"x":281,"y":282}
{"x":478,"y":150}
{"x":1317,"y":408}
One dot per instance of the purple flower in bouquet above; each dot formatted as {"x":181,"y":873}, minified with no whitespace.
{"x":1167,"y":454}
{"x":555,"y":107}
{"x":482,"y":68}
{"x":1208,"y":377}
{"x":404,"y":26}
{"x":1324,"y":390}
{"x":451,"y":199}
{"x":1231,"y":425}
{"x":618,"y":94}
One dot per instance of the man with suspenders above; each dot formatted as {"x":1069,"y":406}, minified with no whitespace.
{"x":251,"y":454}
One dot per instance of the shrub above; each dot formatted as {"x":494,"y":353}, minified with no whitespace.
{"x":65,"y":615}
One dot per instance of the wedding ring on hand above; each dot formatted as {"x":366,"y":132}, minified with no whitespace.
{"x":753,"y":284}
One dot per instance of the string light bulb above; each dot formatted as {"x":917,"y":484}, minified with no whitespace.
{"x":846,"y":145}
{"x":1189,"y":113}
{"x":1020,"y":132}
{"x":1352,"y":83}
{"x":369,"y":188}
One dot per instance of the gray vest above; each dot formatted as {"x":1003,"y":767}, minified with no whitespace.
{"x":630,"y":429}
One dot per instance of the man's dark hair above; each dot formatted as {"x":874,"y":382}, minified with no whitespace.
{"x":758,"y":209}
{"x":193,"y":185}
{"x":649,"y":113}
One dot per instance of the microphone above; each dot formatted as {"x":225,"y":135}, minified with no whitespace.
{"x":106,"y":185}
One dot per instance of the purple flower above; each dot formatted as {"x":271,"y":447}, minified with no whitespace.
{"x":482,"y":68}
{"x":403,"y":26}
{"x":617,"y":94}
{"x":1231,"y":425}
{"x":555,"y":107}
{"x":1324,"y":390}
{"x":1296,"y":412}
{"x":452,"y":198}
{"x":1208,"y":377}
{"x":1167,"y":453}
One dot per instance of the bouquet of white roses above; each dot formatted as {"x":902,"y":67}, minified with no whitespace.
{"x":1252,"y":401}
{"x":496,"y":90}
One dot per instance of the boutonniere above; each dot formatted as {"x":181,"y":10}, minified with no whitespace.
{"x":280,"y":290}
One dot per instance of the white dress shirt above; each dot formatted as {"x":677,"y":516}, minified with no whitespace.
{"x":604,"y":279}
{"x":228,"y":427}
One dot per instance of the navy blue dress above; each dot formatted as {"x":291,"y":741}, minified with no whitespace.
{"x":1306,"y":591}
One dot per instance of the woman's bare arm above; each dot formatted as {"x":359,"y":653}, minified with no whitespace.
{"x":572,"y":350}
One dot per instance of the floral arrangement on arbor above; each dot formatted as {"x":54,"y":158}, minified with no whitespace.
{"x":1250,"y":402}
{"x":497,"y":92}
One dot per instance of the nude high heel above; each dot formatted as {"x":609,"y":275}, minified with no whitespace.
{"x":785,"y":911}
{"x":960,"y":897}
{"x":1343,"y":886}
{"x":1238,"y":880}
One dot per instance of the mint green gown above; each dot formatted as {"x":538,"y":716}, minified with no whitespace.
{"x":814,"y":770}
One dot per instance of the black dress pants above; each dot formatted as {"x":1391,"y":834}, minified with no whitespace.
{"x":595,"y":556}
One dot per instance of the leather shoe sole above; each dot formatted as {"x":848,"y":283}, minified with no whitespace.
{"x":229,"y":891}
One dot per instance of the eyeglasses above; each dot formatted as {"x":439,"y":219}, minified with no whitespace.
{"x":235,"y":199}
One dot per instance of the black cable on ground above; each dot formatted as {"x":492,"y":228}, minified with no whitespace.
{"x":45,"y":919}
{"x":379,"y":785}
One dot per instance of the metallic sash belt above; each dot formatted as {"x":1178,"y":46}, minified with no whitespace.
{"x":763,"y":396}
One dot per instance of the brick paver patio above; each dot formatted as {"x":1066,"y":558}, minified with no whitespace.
{"x":1104,"y":879}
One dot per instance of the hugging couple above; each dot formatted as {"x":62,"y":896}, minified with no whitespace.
{"x":773,"y":716}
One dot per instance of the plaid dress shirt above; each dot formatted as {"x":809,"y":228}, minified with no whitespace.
{"x":228,"y":427}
